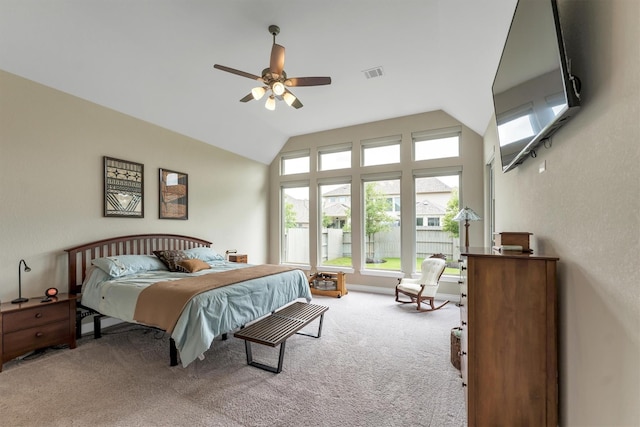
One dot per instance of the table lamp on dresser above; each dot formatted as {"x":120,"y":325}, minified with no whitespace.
{"x":20,"y":299}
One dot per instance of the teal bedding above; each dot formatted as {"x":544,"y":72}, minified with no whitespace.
{"x":208,"y":314}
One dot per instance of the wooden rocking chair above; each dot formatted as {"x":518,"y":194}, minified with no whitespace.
{"x":424,"y":288}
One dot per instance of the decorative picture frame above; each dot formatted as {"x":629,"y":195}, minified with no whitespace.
{"x":173,"y":195}
{"x":123,"y":188}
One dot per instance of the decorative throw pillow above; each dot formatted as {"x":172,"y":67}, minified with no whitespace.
{"x":170,"y":258}
{"x":192,"y":265}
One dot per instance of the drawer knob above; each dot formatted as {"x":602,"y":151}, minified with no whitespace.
{"x":464,"y":384}
{"x":464,"y":323}
{"x":460,"y":282}
{"x":39,"y":334}
{"x":463,"y":295}
{"x":463,"y":268}
{"x":38,"y":315}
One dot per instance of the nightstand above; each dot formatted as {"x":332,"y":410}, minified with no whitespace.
{"x":33,"y":325}
{"x":238,"y":258}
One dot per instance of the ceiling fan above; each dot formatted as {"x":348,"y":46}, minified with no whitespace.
{"x":274,"y":79}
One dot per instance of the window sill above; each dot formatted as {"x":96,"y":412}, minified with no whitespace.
{"x":382,"y":273}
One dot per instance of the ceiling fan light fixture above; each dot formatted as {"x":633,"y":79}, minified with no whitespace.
{"x":258,"y":92}
{"x":289,"y":98}
{"x":271,"y":103}
{"x":278,"y":88}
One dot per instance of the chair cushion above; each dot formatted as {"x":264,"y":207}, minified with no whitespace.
{"x":413,"y":289}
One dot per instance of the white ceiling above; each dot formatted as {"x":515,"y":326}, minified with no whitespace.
{"x":153,"y":59}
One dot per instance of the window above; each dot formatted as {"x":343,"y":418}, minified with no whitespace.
{"x":516,"y":125}
{"x":393,"y":204}
{"x":292,"y":164}
{"x":557,"y":103}
{"x":433,"y":221}
{"x":381,"y":235}
{"x":437,"y":203}
{"x":436,"y":144}
{"x":381,"y":151}
{"x":337,"y":158}
{"x":295,"y":225}
{"x":335,"y":224}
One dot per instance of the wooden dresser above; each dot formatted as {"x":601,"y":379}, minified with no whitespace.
{"x":509,"y":338}
{"x":32,"y":325}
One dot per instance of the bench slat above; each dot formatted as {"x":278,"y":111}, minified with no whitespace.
{"x":270,"y":331}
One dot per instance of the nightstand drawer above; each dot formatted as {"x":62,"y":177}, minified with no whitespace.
{"x":20,"y":342}
{"x":28,"y":318}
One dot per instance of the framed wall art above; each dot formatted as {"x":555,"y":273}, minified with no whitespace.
{"x":173,"y":195}
{"x":123,"y":188}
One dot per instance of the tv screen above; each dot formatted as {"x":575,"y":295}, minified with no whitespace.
{"x":533,"y":91}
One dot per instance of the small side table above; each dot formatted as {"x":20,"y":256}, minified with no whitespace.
{"x":33,"y":325}
{"x":242,"y":258}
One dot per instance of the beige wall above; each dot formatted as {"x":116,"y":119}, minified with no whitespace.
{"x":585,"y":209}
{"x":471,"y":185}
{"x":51,"y":184}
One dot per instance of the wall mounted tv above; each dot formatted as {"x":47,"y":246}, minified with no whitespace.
{"x":533,"y":92}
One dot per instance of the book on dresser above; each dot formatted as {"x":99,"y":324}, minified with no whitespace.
{"x":508,"y":313}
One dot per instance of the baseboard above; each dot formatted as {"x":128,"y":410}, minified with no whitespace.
{"x":391,"y":291}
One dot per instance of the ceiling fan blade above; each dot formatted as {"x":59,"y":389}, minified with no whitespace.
{"x":237,"y":72}
{"x":247,"y":98}
{"x":307,"y":81}
{"x":276,"y":64}
{"x":297,"y":104}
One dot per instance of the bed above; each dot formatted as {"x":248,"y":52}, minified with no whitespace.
{"x":112,"y":277}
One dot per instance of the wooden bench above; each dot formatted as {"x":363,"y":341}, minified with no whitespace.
{"x":276,"y":328}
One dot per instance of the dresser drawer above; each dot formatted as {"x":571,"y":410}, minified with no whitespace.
{"x":36,"y":316}
{"x":25,"y":340}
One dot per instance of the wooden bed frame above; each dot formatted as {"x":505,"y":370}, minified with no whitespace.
{"x":80,"y":257}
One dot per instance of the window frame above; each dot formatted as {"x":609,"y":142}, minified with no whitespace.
{"x":387,"y":141}
{"x":432,"y":135}
{"x":292,"y":156}
{"x":334,"y":149}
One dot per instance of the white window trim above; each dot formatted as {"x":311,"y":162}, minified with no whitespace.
{"x":294,"y":155}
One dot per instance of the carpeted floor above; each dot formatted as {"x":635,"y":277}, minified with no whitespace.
{"x":378,"y":363}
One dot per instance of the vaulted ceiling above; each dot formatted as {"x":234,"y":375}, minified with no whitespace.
{"x":153,"y":60}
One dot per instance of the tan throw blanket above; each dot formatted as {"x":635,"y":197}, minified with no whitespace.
{"x":161,"y":304}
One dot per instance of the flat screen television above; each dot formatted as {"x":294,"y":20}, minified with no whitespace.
{"x":534,"y":92}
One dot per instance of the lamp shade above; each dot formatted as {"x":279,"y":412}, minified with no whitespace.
{"x":467,"y":214}
{"x":289,"y":98}
{"x":278,"y":88}
{"x":258,"y":92}
{"x":271,"y":103}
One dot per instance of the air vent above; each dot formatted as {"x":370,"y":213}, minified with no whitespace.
{"x":373,"y":72}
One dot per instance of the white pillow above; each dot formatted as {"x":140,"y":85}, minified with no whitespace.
{"x":122,"y":265}
{"x":203,"y":253}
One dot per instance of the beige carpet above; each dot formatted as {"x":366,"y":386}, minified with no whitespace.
{"x":378,"y":363}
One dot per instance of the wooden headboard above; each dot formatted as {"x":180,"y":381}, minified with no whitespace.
{"x":139,"y":244}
